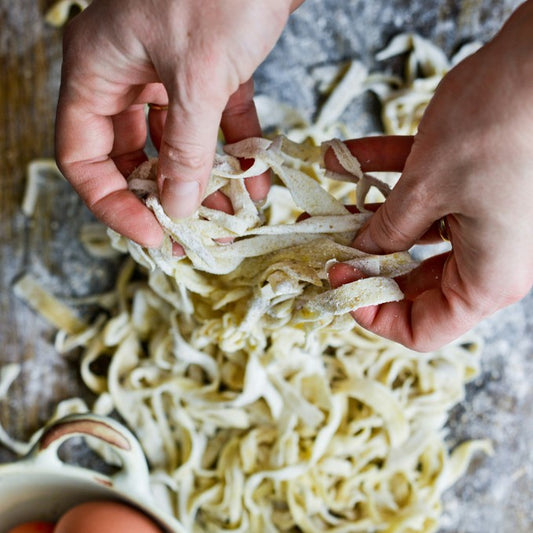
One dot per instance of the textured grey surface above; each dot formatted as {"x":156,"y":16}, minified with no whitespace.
{"x":322,"y":32}
{"x":495,"y":496}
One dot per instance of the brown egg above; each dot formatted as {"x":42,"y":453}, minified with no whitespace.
{"x":34,"y":527}
{"x":105,"y":517}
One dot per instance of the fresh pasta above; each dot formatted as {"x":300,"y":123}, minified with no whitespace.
{"x":259,"y":403}
{"x":260,"y":406}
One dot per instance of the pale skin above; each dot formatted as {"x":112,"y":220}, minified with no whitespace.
{"x":197,"y":57}
{"x":470,"y":162}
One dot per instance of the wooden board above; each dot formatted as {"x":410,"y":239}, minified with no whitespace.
{"x":46,"y":244}
{"x":29,"y":61}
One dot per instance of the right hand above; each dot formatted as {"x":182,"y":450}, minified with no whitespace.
{"x":470,"y":162}
{"x":197,"y":57}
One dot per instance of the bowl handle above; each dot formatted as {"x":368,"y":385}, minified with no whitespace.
{"x":132,"y":479}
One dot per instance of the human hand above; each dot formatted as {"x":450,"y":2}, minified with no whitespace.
{"x":197,"y":57}
{"x":470,"y":162}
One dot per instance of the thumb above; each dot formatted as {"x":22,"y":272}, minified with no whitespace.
{"x":186,"y":156}
{"x":400,"y":221}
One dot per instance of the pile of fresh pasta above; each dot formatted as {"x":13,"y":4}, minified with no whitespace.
{"x":259,"y":403}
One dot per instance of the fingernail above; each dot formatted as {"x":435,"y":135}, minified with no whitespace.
{"x":180,"y":199}
{"x":365,"y":243}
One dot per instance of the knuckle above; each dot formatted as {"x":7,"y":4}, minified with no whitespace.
{"x":422,"y":194}
{"x":397,"y":221}
{"x":186,"y":89}
{"x":390,"y":233}
{"x":189,"y":155}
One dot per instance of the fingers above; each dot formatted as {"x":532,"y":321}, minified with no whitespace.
{"x":156,"y":123}
{"x":187,"y":146}
{"x":399,"y":223}
{"x":110,"y":59}
{"x":427,"y":276}
{"x":155,"y":95}
{"x":129,"y":139}
{"x":123,"y":212}
{"x":384,"y":153}
{"x":402,"y":219}
{"x":240,"y":121}
{"x":407,"y":214}
{"x":340,"y":274}
{"x":433,"y":313}
{"x":84,"y":140}
{"x":186,"y":155}
{"x":431,"y":236}
{"x":218,"y":200}
{"x":406,"y":217}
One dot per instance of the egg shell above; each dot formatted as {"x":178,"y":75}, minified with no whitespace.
{"x":34,"y":527}
{"x":105,"y":517}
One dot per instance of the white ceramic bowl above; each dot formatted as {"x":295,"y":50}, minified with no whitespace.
{"x":42,"y":487}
